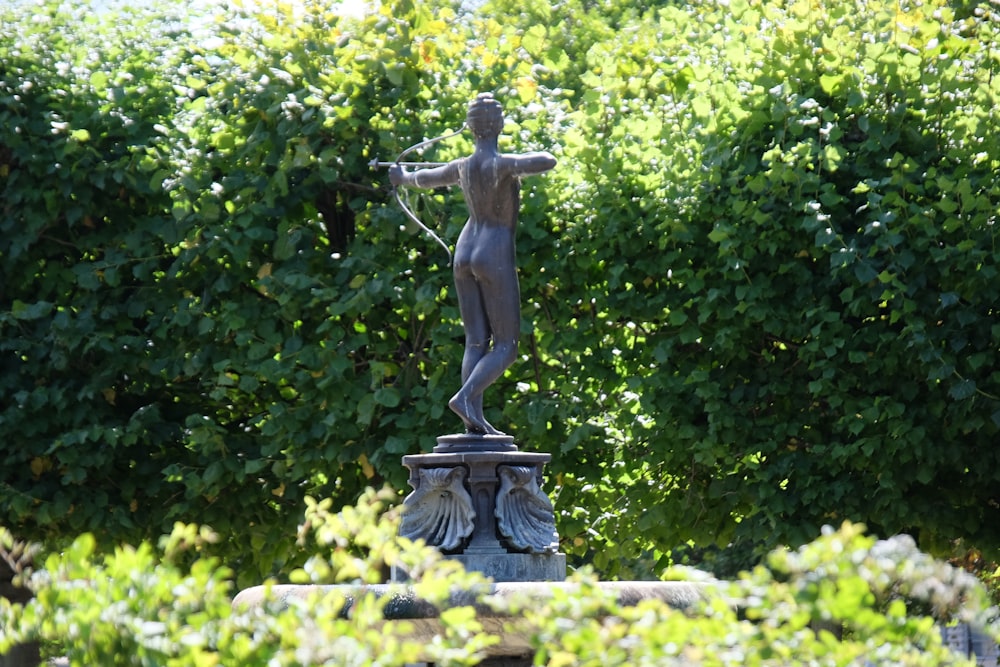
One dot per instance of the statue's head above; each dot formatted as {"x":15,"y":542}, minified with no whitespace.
{"x":485,"y":117}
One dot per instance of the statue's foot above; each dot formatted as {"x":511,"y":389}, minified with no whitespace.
{"x":474,"y":422}
{"x":490,"y":429}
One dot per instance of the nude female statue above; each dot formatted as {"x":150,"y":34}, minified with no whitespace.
{"x":489,"y":298}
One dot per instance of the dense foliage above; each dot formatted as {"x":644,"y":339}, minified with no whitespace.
{"x":842,"y":599}
{"x":759,"y":291}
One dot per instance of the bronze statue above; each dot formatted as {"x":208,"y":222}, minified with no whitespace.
{"x":484,"y":264}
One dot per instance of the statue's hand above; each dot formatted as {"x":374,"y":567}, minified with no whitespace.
{"x":397,"y":176}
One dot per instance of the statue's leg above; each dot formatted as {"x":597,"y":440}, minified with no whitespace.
{"x":475,"y":349}
{"x":499,"y":299}
{"x":477,"y":340}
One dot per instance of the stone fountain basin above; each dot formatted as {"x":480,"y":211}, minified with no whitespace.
{"x":405,"y":604}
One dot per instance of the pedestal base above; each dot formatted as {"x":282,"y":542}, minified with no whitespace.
{"x":479,"y":500}
{"x":474,"y":442}
{"x":516,"y":567}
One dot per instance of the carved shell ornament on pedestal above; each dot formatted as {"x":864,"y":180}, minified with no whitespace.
{"x":524,"y":513}
{"x":439,"y":510}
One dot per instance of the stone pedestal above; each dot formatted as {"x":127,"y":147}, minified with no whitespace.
{"x":479,"y":500}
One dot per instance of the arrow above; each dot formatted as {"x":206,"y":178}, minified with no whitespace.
{"x":376,"y":163}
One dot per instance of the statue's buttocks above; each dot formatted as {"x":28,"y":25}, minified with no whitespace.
{"x":484,"y":252}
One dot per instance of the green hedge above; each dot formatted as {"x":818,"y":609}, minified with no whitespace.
{"x":844,"y":598}
{"x":759,"y":291}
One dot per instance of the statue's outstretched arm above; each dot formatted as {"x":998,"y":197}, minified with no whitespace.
{"x":425,"y":178}
{"x":527,"y":164}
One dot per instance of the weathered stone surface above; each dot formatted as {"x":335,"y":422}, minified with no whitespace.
{"x":514,"y":633}
{"x":512,"y":515}
{"x":474,"y":442}
{"x":404,"y":603}
{"x":525,"y":517}
{"x":505,"y":568}
{"x":439,"y":510}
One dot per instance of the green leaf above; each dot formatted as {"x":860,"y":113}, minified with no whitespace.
{"x":833,"y":156}
{"x":718,"y":235}
{"x":223,"y":140}
{"x":962,"y":390}
{"x":830,"y":82}
{"x":33,"y":311}
{"x":388,"y":397}
{"x":534,"y":39}
{"x":865,"y":272}
{"x":702,"y":106}
{"x":254,"y":466}
{"x":366,"y":409}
